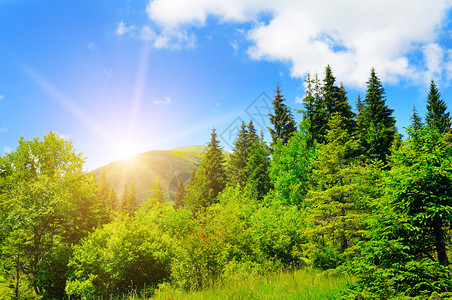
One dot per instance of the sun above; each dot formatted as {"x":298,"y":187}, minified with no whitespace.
{"x":126,"y":151}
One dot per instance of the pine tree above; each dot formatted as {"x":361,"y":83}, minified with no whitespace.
{"x":418,"y":186}
{"x":209,"y":179}
{"x":155,"y":195}
{"x":313,"y":109}
{"x":282,"y":119}
{"x":237,"y":164}
{"x":333,"y":199}
{"x":322,"y":102}
{"x":180,"y":195}
{"x":257,"y":169}
{"x":129,"y":202}
{"x":416,"y":122}
{"x":107,"y":206}
{"x":436,"y":110}
{"x":377,"y":128}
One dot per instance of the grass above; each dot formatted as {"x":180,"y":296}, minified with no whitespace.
{"x":301,"y":284}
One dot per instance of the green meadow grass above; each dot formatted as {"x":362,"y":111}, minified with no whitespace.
{"x":302,"y":284}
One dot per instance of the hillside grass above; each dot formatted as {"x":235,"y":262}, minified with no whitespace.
{"x":301,"y":284}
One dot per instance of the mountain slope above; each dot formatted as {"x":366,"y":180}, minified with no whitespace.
{"x":169,"y":166}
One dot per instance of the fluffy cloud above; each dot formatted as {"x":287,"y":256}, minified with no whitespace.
{"x":2,"y":97}
{"x":351,"y":35}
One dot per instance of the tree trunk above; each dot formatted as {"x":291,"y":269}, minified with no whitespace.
{"x":440,"y":244}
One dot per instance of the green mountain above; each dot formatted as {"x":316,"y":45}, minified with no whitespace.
{"x":169,"y":166}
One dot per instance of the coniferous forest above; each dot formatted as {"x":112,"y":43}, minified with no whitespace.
{"x":342,"y":192}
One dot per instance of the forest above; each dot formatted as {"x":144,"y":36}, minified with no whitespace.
{"x":341,"y":192}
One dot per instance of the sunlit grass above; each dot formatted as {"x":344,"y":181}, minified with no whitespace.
{"x":302,"y":284}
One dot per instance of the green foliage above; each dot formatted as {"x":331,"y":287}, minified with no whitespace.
{"x":129,"y":203}
{"x":257,"y":169}
{"x":377,"y":125}
{"x":419,"y":185}
{"x":180,"y":195}
{"x":335,"y":203}
{"x":291,"y":166}
{"x":282,"y":120}
{"x":47,"y":205}
{"x":209,"y":179}
{"x":313,"y":109}
{"x":437,"y":118}
{"x":404,"y":250}
{"x":128,"y":254}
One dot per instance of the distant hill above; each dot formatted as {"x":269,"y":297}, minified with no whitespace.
{"x":170,"y":166}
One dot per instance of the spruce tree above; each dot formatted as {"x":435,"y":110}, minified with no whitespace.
{"x":209,"y":179}
{"x":155,"y":196}
{"x":180,"y":195}
{"x":377,"y":129}
{"x":257,"y":169}
{"x":333,"y":200}
{"x":416,"y":122}
{"x":335,"y":101}
{"x":237,"y":164}
{"x":284,"y":125}
{"x":437,"y":117}
{"x":313,"y":109}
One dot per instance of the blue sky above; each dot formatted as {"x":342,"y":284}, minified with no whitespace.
{"x":122,"y":77}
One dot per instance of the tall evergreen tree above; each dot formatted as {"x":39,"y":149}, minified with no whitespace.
{"x":209,"y":179}
{"x":243,"y":145}
{"x":107,"y":204}
{"x":313,"y":110}
{"x":333,"y":200}
{"x":238,"y":158}
{"x":257,"y":168}
{"x":129,"y":202}
{"x":377,"y":129}
{"x":284,"y":125}
{"x":416,"y":122}
{"x":437,"y":117}
{"x":155,"y":195}
{"x":180,"y":195}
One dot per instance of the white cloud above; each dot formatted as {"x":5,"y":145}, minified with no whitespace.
{"x":351,"y":35}
{"x":434,"y":61}
{"x":167,"y":100}
{"x":3,"y":129}
{"x":123,"y":28}
{"x":235,"y":46}
{"x":2,"y":97}
{"x":147,"y":34}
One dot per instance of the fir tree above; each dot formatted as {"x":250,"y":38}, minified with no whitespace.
{"x":283,"y":122}
{"x":129,"y":202}
{"x":239,"y":158}
{"x":416,"y":122}
{"x":180,"y":195}
{"x":257,"y":169}
{"x":333,"y":197}
{"x":155,"y":195}
{"x":209,"y":179}
{"x":437,"y":117}
{"x":313,"y":109}
{"x":377,"y":129}
{"x":237,"y":164}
